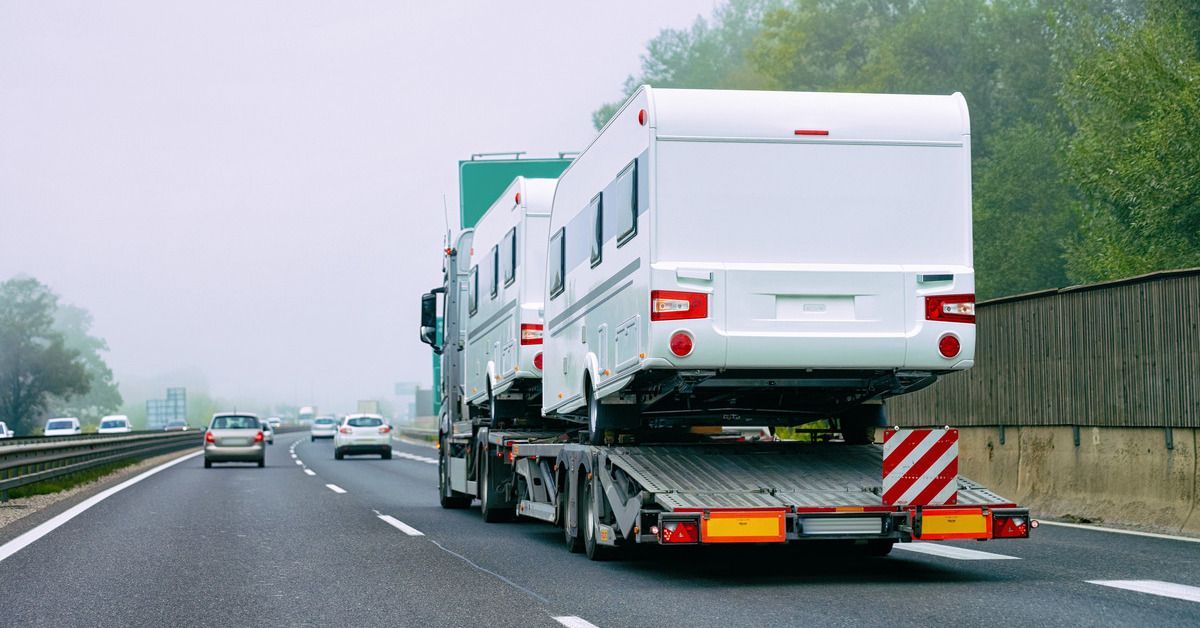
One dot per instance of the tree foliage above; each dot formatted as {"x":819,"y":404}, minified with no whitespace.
{"x":1083,"y":137}
{"x":35,"y":363}
{"x":74,"y":324}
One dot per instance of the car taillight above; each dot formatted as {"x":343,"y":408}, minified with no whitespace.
{"x":258,"y":438}
{"x":209,"y":438}
{"x":385,"y":429}
{"x":680,"y":532}
{"x":950,"y":308}
{"x":672,"y":305}
{"x":949,"y":346}
{"x":537,"y":361}
{"x":681,"y":344}
{"x":346,"y":430}
{"x":531,"y":334}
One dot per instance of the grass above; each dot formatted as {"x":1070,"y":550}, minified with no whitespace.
{"x":72,"y":480}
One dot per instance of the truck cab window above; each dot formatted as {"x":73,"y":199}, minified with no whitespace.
{"x":510,"y":256}
{"x":596,"y":211}
{"x":625,"y":201}
{"x":556,"y":262}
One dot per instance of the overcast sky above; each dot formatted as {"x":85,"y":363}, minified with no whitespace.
{"x":253,"y":191}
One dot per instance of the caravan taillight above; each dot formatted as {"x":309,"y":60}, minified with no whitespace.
{"x":681,"y":344}
{"x":531,"y":334}
{"x":950,"y":308}
{"x":672,"y":305}
{"x":537,"y":361}
{"x":949,"y":346}
{"x":517,"y":198}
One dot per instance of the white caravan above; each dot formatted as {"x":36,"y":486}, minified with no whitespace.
{"x":505,"y":285}
{"x":729,"y":257}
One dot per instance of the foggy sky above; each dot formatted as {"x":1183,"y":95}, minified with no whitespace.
{"x":253,"y":191}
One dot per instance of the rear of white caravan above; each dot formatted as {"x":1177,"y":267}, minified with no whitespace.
{"x":802,"y":253}
{"x":504,"y":297}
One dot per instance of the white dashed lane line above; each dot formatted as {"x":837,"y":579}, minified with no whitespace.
{"x":950,"y":551}
{"x":300,"y":462}
{"x":1154,"y":587}
{"x":571,"y":621}
{"x":335,"y":488}
{"x":408,"y":456}
{"x":310,"y":472}
{"x":400,"y":525}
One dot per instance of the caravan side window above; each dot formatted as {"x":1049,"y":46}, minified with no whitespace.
{"x":510,"y":256}
{"x":473,"y":289}
{"x":557,"y":263}
{"x":625,"y":203}
{"x":495,"y":270}
{"x":596,"y":211}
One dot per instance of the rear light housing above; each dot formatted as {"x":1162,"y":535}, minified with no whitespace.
{"x":346,"y":430}
{"x":537,"y":361}
{"x":679,"y":531}
{"x":681,"y":344}
{"x":673,"y":305}
{"x":531,"y":334}
{"x":209,"y":438}
{"x":949,"y":346}
{"x":1011,"y":526}
{"x":950,"y":308}
{"x":258,"y":438}
{"x":385,"y":429}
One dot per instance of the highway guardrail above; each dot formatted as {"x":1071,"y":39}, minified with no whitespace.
{"x":419,"y":433}
{"x":30,"y":460}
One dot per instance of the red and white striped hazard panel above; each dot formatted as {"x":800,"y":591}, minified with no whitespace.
{"x":920,"y":467}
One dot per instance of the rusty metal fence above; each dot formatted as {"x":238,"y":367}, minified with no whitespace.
{"x":1119,"y":354}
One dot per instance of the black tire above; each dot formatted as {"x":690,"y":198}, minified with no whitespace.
{"x":338,"y":455}
{"x":858,"y":424}
{"x":489,"y":497}
{"x":589,"y":522}
{"x":597,"y":421}
{"x":208,"y":464}
{"x":312,"y":438}
{"x":449,"y":498}
{"x":262,"y":462}
{"x":574,"y":543}
{"x":386,"y":455}
{"x":880,"y":547}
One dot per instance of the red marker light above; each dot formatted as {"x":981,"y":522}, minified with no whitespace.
{"x":681,"y":344}
{"x":537,"y":361}
{"x":642,"y":117}
{"x":518,"y":198}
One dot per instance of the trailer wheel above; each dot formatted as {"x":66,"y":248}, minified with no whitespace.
{"x":449,"y":498}
{"x":589,"y":522}
{"x":880,"y":547}
{"x":574,"y":543}
{"x":490,"y":498}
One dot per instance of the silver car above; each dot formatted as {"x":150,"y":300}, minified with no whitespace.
{"x":234,"y":437}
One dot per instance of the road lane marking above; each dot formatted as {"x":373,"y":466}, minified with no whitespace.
{"x":401,"y":526}
{"x":335,"y":488}
{"x":950,"y":551}
{"x":1154,"y":587}
{"x":499,"y":577}
{"x":310,"y":472}
{"x":408,"y":456}
{"x":300,"y":462}
{"x":1151,"y":535}
{"x":19,"y":543}
{"x":571,"y":621}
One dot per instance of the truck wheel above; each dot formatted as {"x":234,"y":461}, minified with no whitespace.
{"x":880,"y":547}
{"x":574,"y":543}
{"x":589,"y":523}
{"x":490,"y":498}
{"x":449,"y":498}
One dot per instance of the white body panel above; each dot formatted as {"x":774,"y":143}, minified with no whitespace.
{"x":68,"y":426}
{"x":815,"y":250}
{"x":114,"y":424}
{"x":494,"y":353}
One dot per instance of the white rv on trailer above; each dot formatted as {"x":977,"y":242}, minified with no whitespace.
{"x":746,"y":256}
{"x":505,"y":284}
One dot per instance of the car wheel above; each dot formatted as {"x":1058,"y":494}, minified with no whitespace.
{"x":386,"y":455}
{"x":313,"y":438}
{"x":338,"y":455}
{"x":262,"y":462}
{"x":208,"y":464}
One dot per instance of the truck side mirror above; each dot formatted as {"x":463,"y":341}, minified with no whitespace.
{"x":429,"y":320}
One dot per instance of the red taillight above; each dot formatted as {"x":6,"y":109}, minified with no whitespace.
{"x":680,"y":532}
{"x":949,"y":346}
{"x":531,"y":334}
{"x":537,"y":361}
{"x":1010,"y":527}
{"x":950,"y":308}
{"x":209,"y":438}
{"x":681,"y":344}
{"x":258,"y":438}
{"x":642,"y":117}
{"x":346,"y":430}
{"x":811,"y":132}
{"x":517,"y":198}
{"x":671,"y":305}
{"x":385,"y":429}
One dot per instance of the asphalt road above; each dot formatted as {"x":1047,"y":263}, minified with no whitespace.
{"x":314,"y":541}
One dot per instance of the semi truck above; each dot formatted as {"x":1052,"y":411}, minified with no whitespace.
{"x":728,"y":258}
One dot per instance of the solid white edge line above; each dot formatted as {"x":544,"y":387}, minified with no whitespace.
{"x":310,"y":472}
{"x":401,"y":526}
{"x":571,"y":621}
{"x":335,"y":488}
{"x":19,"y":543}
{"x":1154,"y":587}
{"x":950,"y":551}
{"x":1152,"y":535}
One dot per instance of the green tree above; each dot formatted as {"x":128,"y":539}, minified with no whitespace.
{"x":35,"y":364}
{"x":74,"y":324}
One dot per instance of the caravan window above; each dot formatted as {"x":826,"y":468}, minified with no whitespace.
{"x":473,"y":289}
{"x":596,"y":211}
{"x":556,"y":267}
{"x":495,"y":271}
{"x":510,"y":256}
{"x":625,"y":203}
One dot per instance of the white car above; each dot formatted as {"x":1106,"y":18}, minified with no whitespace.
{"x":67,"y":426}
{"x":363,"y":434}
{"x":115,"y":424}
{"x":268,"y":431}
{"x":4,"y":431}
{"x":275,"y":422}
{"x":323,"y":427}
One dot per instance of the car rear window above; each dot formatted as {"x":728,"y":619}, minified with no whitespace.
{"x":365,"y":421}
{"x":235,"y":423}
{"x":59,"y":425}
{"x":117,"y":423}
{"x":323,"y":421}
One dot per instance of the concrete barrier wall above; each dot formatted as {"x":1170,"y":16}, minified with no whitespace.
{"x":1116,"y":475}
